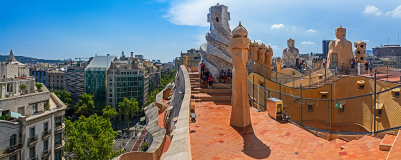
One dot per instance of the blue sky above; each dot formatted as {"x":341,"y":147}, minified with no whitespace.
{"x":161,"y":29}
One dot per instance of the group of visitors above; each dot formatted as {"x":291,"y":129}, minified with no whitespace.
{"x":368,"y":67}
{"x":207,"y":78}
{"x":225,"y":77}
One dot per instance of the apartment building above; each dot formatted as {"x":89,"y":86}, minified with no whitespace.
{"x":31,"y":122}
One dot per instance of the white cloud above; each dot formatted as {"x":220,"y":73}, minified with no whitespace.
{"x":308,"y":43}
{"x":200,"y":39}
{"x":274,"y":47}
{"x":191,"y":13}
{"x":369,"y":9}
{"x":259,"y":41}
{"x":396,"y":13}
{"x":311,"y":31}
{"x":277,"y":26}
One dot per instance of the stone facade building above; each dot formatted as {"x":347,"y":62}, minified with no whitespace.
{"x":34,"y":122}
{"x":194,"y":58}
{"x":56,"y":80}
{"x":12,"y":68}
{"x":216,"y":52}
{"x":131,"y":78}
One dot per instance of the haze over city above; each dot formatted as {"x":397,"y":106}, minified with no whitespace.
{"x":160,"y":29}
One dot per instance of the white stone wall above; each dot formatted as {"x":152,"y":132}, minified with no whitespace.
{"x":25,"y":101}
{"x":39,"y":128}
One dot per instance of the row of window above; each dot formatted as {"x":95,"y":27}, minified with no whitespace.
{"x":33,"y":136}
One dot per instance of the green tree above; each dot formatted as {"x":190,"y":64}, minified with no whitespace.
{"x":22,"y":88}
{"x":64,"y":96}
{"x":128,"y":108}
{"x":163,"y":83}
{"x":89,"y":138}
{"x":109,"y":112}
{"x":39,"y":86}
{"x":85,"y":106}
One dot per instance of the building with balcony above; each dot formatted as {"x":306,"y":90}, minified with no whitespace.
{"x":194,"y":59}
{"x":31,"y":122}
{"x":12,"y":68}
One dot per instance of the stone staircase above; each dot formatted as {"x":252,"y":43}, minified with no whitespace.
{"x":219,"y":93}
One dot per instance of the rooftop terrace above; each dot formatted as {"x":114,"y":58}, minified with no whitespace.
{"x":213,"y":138}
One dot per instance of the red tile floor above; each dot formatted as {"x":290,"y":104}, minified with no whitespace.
{"x":213,"y":138}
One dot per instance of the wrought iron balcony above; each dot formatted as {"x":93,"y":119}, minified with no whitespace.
{"x":46,"y":154}
{"x":32,"y":140}
{"x":34,"y":158}
{"x":12,"y":149}
{"x":59,"y":126}
{"x":46,"y":134}
{"x":58,"y":145}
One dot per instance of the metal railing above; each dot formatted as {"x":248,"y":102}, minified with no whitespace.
{"x":59,"y":144}
{"x":13,"y":148}
{"x":34,"y":158}
{"x":46,"y":153}
{"x":33,"y":139}
{"x":46,"y":133}
{"x":356,"y":113}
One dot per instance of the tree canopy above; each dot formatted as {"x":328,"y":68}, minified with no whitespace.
{"x":164,"y":81}
{"x":85,"y":106}
{"x":64,"y":96}
{"x":127,"y":108}
{"x":109,"y":112}
{"x":89,"y":138}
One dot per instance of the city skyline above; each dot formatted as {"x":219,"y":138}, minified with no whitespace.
{"x":162,"y":29}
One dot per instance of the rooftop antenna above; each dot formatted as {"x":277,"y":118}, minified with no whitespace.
{"x":398,"y":37}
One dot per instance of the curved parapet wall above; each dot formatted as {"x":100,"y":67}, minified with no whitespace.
{"x":216,"y":52}
{"x":178,"y":118}
{"x":163,"y":95}
{"x":156,"y":137}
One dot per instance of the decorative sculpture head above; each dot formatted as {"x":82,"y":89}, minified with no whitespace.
{"x":254,"y":46}
{"x":290,"y":43}
{"x":341,"y":32}
{"x":239,"y":41}
{"x":240,"y":31}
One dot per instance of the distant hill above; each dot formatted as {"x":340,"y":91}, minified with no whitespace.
{"x":31,"y":60}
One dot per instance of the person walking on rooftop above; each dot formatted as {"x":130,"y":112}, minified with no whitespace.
{"x":366,"y":68}
{"x":202,"y":67}
{"x":370,"y":67}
